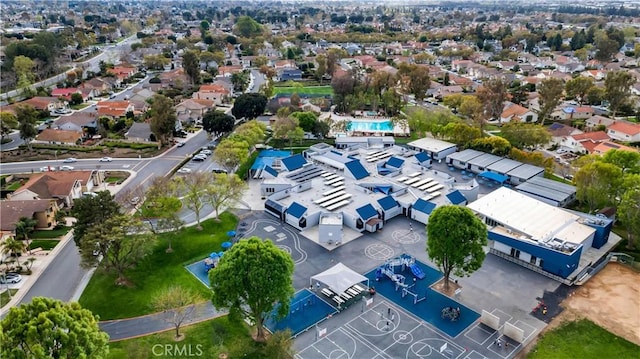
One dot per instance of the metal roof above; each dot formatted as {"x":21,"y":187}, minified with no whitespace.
{"x":456,"y":197}
{"x":294,"y":162}
{"x":387,"y":203}
{"x":296,"y":209}
{"x":484,"y":160}
{"x":525,"y":171}
{"x":357,"y":169}
{"x":367,"y":212}
{"x":464,"y":156}
{"x":503,"y":166}
{"x":424,"y":206}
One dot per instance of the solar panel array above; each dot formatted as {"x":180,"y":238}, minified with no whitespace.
{"x":306,"y":174}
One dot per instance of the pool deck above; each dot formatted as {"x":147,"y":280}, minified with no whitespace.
{"x":397,"y":130}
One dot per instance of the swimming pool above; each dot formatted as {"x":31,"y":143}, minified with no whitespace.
{"x":370,"y":126}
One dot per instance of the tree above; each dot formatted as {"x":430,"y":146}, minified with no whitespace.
{"x":224,"y":190}
{"x":191,"y":64}
{"x":415,"y":80}
{"x":617,"y":89}
{"x":247,"y":27}
{"x":472,"y":108}
{"x":606,"y":48}
{"x":307,"y":120}
{"x":550,"y":91}
{"x":27,"y":116}
{"x":49,"y":328}
{"x":8,"y":122}
{"x":193,"y":188}
{"x":579,"y":87}
{"x":76,"y":99}
{"x":177,"y":304}
{"x":321,"y":70}
{"x":492,"y":144}
{"x":155,"y":62}
{"x":251,"y":279}
{"x":23,"y":68}
{"x":92,"y":210}
{"x":493,"y":94}
{"x":24,"y":228}
{"x":597,"y":184}
{"x":240,"y":81}
{"x":524,"y":135}
{"x":629,"y":215}
{"x":217,"y":123}
{"x":283,"y":127}
{"x":163,"y":118}
{"x":121,"y":241}
{"x":455,"y":240}
{"x":230,"y":153}
{"x":249,"y":105}
{"x":13,"y":247}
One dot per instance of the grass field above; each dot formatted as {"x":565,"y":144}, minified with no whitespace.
{"x":307,"y":90}
{"x":157,"y":271}
{"x":6,"y":296}
{"x":45,"y":244}
{"x":54,"y":233}
{"x":582,"y":339}
{"x":207,"y":340}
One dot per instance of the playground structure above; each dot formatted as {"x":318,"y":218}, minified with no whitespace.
{"x":403,"y":262}
{"x":212,"y":261}
{"x":451,"y":313}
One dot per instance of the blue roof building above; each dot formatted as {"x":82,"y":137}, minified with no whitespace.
{"x":356,"y":169}
{"x":294,"y":162}
{"x":456,"y":197}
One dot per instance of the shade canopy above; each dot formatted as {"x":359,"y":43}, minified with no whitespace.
{"x":339,"y":278}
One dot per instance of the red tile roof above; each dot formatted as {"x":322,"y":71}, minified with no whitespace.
{"x":626,"y":128}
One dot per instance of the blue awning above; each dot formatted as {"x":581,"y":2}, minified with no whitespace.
{"x":424,"y":206}
{"x":387,"y":203}
{"x":382,"y":189}
{"x":456,"y":197}
{"x":367,"y":212}
{"x":494,"y":177}
{"x":296,"y":209}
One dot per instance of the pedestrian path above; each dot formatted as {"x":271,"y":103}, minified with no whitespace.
{"x":128,"y":328}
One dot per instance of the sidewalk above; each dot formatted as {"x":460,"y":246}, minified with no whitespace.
{"x":128,"y":328}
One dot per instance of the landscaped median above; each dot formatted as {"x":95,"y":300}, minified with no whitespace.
{"x":158,"y":271}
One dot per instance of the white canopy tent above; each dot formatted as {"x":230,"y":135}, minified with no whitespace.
{"x":339,"y":278}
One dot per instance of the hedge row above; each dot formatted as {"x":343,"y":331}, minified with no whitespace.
{"x":131,"y":145}
{"x":42,"y":146}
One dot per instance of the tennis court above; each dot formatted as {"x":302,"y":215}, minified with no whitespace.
{"x":306,"y":309}
{"x":424,"y":302}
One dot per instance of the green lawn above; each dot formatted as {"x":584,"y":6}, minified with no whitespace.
{"x":80,"y":106}
{"x":307,"y":90}
{"x":582,"y":339}
{"x":4,"y":296}
{"x":53,"y":233}
{"x":157,"y":271}
{"x":46,"y":244}
{"x":211,"y":338}
{"x":14,"y":186}
{"x":114,"y":179}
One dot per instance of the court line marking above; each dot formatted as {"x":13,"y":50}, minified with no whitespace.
{"x":532,"y":327}
{"x":478,"y":353}
{"x":506,"y":314}
{"x":477,"y":325}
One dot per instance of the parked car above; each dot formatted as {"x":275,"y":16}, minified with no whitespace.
{"x":70,"y":160}
{"x":218,"y":170}
{"x":47,"y":169}
{"x":106,"y":159}
{"x":199,"y":158}
{"x":10,"y":278}
{"x":180,"y":144}
{"x":184,"y":170}
{"x":206,"y":152}
{"x":66,"y":168}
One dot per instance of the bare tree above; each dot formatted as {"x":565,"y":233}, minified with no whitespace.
{"x":193,"y":190}
{"x":177,"y":304}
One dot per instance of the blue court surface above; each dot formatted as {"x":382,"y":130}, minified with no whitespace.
{"x":429,"y":309}
{"x":306,"y":310}
{"x":199,"y":271}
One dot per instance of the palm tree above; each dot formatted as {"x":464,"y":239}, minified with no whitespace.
{"x":13,"y":247}
{"x":24,"y":228}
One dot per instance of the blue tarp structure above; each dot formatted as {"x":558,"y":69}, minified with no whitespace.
{"x":357,"y":169}
{"x":456,"y":197}
{"x":296,"y":209}
{"x":494,"y":177}
{"x":266,"y":158}
{"x":367,"y":212}
{"x":294,"y":162}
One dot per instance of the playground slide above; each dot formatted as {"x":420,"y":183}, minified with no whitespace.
{"x":417,"y":271}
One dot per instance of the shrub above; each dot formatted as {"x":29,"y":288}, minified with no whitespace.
{"x":131,"y":145}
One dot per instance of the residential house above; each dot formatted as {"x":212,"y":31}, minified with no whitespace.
{"x":514,"y":112}
{"x":284,"y":64}
{"x":175,"y":78}
{"x":624,"y":131}
{"x":584,"y":143}
{"x":82,"y":122}
{"x":139,"y":132}
{"x":213,"y":92}
{"x":598,"y":75}
{"x":63,"y":186}
{"x":576,"y":113}
{"x":560,"y":131}
{"x":289,"y":74}
{"x":597,"y":120}
{"x":100,"y":85}
{"x":59,"y":137}
{"x":122,"y":73}
{"x":461,"y":66}
{"x":43,"y":211}
{"x":607,"y":146}
{"x":141,"y":95}
{"x":114,"y":109}
{"x":46,"y":104}
{"x":193,"y":110}
{"x":227,"y":71}
{"x":65,"y":93}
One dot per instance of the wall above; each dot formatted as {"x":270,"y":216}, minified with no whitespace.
{"x":554,"y":262}
{"x":420,"y":216}
{"x":329,"y":232}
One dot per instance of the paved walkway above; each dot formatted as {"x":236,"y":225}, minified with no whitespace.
{"x":155,"y":323}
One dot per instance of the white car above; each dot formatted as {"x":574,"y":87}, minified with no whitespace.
{"x":106,"y":159}
{"x":66,"y":168}
{"x":206,"y":152}
{"x":184,"y":170}
{"x":70,"y":160}
{"x":47,"y":169}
